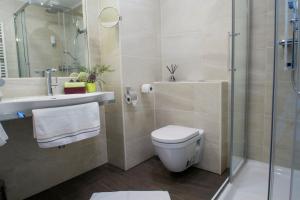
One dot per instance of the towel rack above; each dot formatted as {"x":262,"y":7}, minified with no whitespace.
{"x":3,"y":62}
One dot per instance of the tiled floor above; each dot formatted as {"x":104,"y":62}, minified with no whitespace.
{"x":193,"y":184}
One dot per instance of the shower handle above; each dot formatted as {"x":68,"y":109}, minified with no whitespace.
{"x":293,"y":66}
{"x":231,"y":36}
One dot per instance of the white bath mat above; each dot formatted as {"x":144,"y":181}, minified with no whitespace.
{"x":130,"y":195}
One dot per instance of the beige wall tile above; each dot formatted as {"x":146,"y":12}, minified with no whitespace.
{"x":201,"y":55}
{"x":197,"y":105}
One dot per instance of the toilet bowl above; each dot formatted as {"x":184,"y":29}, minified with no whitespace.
{"x":178,"y":147}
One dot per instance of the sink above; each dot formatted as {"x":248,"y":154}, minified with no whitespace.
{"x":10,"y":107}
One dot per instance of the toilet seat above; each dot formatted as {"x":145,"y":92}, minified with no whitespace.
{"x":175,"y":134}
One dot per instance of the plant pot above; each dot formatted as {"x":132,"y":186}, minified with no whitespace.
{"x":91,"y":87}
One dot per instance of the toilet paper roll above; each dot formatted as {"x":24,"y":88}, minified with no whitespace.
{"x":147,"y":88}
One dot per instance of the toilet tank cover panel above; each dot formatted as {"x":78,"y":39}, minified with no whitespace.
{"x":175,"y":134}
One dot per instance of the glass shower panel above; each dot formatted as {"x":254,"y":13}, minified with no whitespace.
{"x":21,"y":41}
{"x":75,"y":41}
{"x":238,"y":83}
{"x":286,"y":84}
{"x":295,"y":192}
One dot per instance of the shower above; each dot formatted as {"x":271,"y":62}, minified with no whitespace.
{"x":289,"y":44}
{"x":265,"y":102}
{"x":67,"y":33}
{"x":79,"y":30}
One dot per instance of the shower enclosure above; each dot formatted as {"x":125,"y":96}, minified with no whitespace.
{"x":285,"y":151}
{"x":50,"y":36}
{"x":284,"y":158}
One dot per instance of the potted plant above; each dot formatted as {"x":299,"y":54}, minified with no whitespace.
{"x":96,"y":76}
{"x":91,"y":83}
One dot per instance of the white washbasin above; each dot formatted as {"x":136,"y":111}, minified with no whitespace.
{"x":9,"y":107}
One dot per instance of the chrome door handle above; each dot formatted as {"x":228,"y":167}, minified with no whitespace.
{"x":231,"y":36}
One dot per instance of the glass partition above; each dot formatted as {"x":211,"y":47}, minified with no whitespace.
{"x":21,"y":42}
{"x":295,"y":181}
{"x":284,"y":173}
{"x":239,"y":84}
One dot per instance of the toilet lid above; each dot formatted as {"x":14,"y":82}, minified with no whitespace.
{"x":175,"y":134}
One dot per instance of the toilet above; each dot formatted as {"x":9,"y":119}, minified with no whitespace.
{"x":178,"y":147}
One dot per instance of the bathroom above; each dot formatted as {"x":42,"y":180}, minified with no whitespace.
{"x":149,"y":99}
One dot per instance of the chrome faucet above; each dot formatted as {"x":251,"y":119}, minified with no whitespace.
{"x":48,"y":74}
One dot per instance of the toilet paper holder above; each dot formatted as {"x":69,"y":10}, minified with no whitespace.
{"x":130,"y":96}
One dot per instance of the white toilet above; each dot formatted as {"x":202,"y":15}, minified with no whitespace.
{"x":178,"y":147}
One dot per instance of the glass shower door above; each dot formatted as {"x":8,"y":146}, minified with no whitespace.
{"x":295,"y":180}
{"x":285,"y":154}
{"x":22,"y":46}
{"x":238,"y":70}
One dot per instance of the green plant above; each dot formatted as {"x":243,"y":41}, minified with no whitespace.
{"x":97,"y":72}
{"x":92,"y":75}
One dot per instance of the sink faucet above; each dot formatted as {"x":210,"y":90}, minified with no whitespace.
{"x":48,"y":74}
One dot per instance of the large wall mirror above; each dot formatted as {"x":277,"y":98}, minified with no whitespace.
{"x":43,"y":34}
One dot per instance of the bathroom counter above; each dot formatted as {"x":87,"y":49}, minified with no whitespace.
{"x":16,"y":108}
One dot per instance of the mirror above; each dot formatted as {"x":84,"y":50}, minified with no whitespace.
{"x":43,"y":34}
{"x":109,"y":17}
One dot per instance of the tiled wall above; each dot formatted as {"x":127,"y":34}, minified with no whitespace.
{"x":152,"y":32}
{"x":133,"y":50}
{"x":199,"y":105}
{"x":111,"y":55}
{"x":260,"y":79}
{"x":141,"y":61}
{"x":195,"y":36}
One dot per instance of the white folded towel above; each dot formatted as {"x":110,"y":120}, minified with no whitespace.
{"x":55,"y":127}
{"x":3,"y":136}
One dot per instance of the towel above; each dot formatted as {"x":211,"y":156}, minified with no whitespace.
{"x":54,"y":127}
{"x":130,"y":195}
{"x":3,"y":136}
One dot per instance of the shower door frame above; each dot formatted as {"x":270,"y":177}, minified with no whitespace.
{"x":20,"y":13}
{"x":232,"y":70}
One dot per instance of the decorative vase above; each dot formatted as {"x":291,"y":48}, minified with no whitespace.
{"x":91,"y":87}
{"x":172,"y":78}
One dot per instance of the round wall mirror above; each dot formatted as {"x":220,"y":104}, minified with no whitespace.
{"x":109,"y":17}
